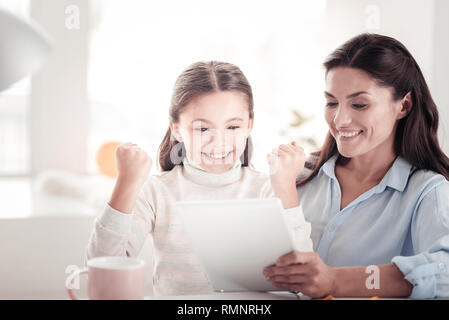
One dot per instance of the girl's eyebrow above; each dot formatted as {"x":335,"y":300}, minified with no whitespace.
{"x":202,"y":120}
{"x":234,"y":119}
{"x":229,"y":120}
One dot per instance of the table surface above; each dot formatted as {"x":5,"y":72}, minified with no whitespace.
{"x":280,"y":295}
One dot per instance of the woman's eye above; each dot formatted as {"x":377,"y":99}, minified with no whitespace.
{"x":359,"y":106}
{"x":233,"y":127}
{"x":331,"y":104}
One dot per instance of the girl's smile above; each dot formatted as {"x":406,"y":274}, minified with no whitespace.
{"x":216,"y":157}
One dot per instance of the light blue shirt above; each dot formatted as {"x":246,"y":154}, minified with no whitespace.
{"x":403,"y":220}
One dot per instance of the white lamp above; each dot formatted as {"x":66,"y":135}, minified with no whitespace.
{"x":23,"y":48}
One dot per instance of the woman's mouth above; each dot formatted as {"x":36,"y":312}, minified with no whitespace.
{"x":349,"y":135}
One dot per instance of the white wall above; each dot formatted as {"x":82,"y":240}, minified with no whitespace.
{"x":58,"y":102}
{"x":440,"y":68}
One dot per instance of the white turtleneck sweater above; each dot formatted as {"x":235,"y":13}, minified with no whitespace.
{"x":177,"y":270}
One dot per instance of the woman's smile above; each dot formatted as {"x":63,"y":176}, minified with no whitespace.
{"x":348,"y":135}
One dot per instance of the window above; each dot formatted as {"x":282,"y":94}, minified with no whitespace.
{"x":14,"y":144}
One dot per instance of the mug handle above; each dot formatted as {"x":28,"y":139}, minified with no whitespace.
{"x":69,"y":281}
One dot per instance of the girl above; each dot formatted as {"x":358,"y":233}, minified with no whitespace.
{"x":205,"y":154}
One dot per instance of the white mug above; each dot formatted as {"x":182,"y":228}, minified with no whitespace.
{"x":112,"y":278}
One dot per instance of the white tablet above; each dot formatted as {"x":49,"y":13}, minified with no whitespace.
{"x":236,"y":239}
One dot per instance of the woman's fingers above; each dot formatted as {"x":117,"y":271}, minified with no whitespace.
{"x":295,"y":257}
{"x":282,"y":271}
{"x":304,"y":272}
{"x":295,"y":278}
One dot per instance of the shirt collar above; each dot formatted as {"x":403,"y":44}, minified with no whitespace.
{"x":328,"y":167}
{"x":195,"y":173}
{"x":396,"y":177}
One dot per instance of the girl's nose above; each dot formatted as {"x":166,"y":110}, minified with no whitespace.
{"x":221,"y":140}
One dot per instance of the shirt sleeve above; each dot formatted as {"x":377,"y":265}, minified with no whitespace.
{"x":298,"y":228}
{"x":428,"y":269}
{"x":120,"y":234}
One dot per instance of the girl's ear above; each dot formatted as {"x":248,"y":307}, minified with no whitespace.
{"x":250,"y":124}
{"x":406,"y":105}
{"x":174,"y":128}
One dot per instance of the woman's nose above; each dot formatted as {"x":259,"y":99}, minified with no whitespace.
{"x":342,"y":116}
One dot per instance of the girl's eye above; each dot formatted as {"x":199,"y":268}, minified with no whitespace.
{"x":331,"y":104}
{"x":233,"y":127}
{"x":359,"y":106}
{"x":201,"y":129}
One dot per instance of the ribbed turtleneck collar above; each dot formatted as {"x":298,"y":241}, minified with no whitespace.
{"x":195,"y":173}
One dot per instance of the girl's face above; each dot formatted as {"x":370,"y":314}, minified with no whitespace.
{"x":214,"y":128}
{"x":362,"y":116}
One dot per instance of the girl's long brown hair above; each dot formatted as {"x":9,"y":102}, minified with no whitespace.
{"x":202,"y":78}
{"x":391,"y":64}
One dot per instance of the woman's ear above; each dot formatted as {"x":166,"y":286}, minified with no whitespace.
{"x":406,"y":105}
{"x":174,"y":128}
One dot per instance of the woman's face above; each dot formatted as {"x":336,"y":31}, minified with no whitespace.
{"x":361,"y":115}
{"x":214,"y":128}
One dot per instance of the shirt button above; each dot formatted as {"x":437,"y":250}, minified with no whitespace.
{"x":442,"y":266}
{"x":331,"y":228}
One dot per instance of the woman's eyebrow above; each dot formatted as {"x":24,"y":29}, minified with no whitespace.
{"x":328,"y":94}
{"x":352,"y":95}
{"x":355,"y":94}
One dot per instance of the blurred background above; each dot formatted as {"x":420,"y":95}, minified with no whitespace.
{"x":110,"y":79}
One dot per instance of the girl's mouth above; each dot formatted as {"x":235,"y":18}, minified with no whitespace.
{"x":216,"y":157}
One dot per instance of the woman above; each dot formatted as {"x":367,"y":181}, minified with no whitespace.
{"x":378,"y":194}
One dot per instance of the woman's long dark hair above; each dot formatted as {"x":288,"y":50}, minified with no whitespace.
{"x":202,"y":78}
{"x":390,"y":63}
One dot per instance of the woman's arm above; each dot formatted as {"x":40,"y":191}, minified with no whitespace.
{"x":307,"y":273}
{"x":428,"y":268}
{"x":382,"y":281}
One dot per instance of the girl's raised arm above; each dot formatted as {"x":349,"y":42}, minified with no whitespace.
{"x":133,"y":166}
